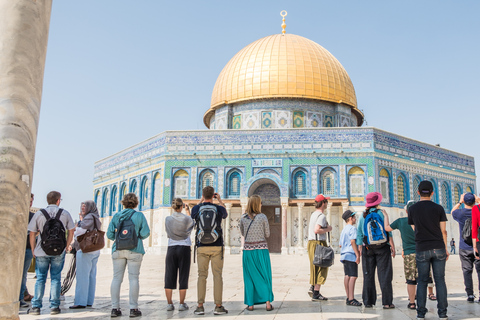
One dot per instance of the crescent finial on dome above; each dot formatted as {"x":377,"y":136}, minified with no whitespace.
{"x":284,"y":25}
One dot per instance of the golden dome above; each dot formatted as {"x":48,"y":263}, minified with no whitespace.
{"x":283,"y":66}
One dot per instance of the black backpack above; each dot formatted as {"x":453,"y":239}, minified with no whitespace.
{"x":53,"y":234}
{"x":467,"y":232}
{"x":126,"y":237}
{"x":207,"y":229}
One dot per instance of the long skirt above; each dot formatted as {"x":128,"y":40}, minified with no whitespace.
{"x":257,"y":276}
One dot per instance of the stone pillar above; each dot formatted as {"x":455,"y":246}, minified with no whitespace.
{"x":228,"y":206}
{"x":329,"y":215}
{"x":243,"y":203}
{"x":300,"y":206}
{"x":284,"y":202}
{"x":24,"y":28}
{"x":345,"y":205}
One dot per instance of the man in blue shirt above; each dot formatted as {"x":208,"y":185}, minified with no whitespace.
{"x":210,"y":252}
{"x":467,"y":256}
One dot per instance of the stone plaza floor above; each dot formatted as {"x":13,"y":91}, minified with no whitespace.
{"x":290,"y":285}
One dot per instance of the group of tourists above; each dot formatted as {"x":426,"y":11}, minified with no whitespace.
{"x":366,"y":238}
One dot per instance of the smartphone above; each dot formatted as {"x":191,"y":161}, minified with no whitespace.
{"x":215,"y":195}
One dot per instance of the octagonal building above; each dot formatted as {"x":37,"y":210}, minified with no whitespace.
{"x":283,"y":123}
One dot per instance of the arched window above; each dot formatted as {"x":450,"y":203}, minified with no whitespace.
{"x":327,"y":182}
{"x":356,"y":179}
{"x":416,"y":183}
{"x":123,"y":191}
{"x":206,"y":179}
{"x":180,"y":187}
{"x":114,"y":200}
{"x":300,"y":183}
{"x":234,"y":180}
{"x":104,"y":203}
{"x":157,"y":196}
{"x":384,"y":179}
{"x":469,"y":189}
{"x":457,"y":191}
{"x":95,"y":197}
{"x":144,"y":194}
{"x":133,"y":186}
{"x":401,"y":189}
{"x":435,"y":191}
{"x":446,"y":198}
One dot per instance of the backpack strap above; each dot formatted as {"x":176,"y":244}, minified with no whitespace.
{"x":45,"y":213}
{"x":59,"y":213}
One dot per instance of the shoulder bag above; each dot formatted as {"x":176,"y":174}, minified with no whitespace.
{"x":324,"y":257}
{"x":92,"y":240}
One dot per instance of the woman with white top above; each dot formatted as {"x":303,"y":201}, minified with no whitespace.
{"x":177,"y":262}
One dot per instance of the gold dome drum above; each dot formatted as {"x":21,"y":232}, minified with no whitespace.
{"x":283,"y":66}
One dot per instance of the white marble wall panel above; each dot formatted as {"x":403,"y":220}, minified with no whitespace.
{"x":221,"y":122}
{"x":251,"y":120}
{"x":283,"y":119}
{"x":343,"y":180}
{"x":314,"y":119}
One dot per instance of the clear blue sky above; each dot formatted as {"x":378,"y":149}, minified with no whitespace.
{"x":119,"y":72}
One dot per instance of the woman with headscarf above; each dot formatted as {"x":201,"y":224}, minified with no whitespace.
{"x":86,"y":262}
{"x":257,"y":270}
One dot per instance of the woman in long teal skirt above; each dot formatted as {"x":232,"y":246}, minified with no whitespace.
{"x":257,"y":270}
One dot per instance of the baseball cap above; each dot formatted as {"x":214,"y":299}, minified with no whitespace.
{"x":469,"y":198}
{"x":321,"y":197}
{"x":425,"y":187}
{"x":347,"y":214}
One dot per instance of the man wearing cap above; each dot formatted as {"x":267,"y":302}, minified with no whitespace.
{"x":350,"y":256}
{"x":408,"y":255}
{"x":429,"y":221}
{"x":467,"y":256}
{"x":317,"y":234}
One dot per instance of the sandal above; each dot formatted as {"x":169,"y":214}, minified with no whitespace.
{"x":354,"y":303}
{"x":432,"y":297}
{"x":249,"y":308}
{"x":412,"y":306}
{"x":389,"y":306}
{"x":270,"y":309}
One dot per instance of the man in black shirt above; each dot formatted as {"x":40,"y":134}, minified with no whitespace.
{"x":210,"y":247}
{"x":429,"y":221}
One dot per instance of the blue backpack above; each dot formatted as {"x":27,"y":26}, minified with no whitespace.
{"x":374,"y":234}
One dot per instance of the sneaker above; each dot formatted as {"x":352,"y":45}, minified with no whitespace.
{"x":220,"y":310}
{"x":444,"y":318}
{"x":34,"y":311}
{"x":55,"y":310}
{"x":471,"y":298}
{"x":199,"y":311}
{"x":135,"y":313}
{"x":170,"y":307}
{"x":115,"y":313}
{"x":183,"y":307}
{"x":23,"y":304}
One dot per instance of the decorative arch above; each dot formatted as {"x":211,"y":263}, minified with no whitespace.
{"x":457,"y":191}
{"x":402,"y":190}
{"x":469,"y":189}
{"x":328,"y":182}
{"x":234,"y":181}
{"x":435,"y":190}
{"x":299,"y":183}
{"x":144,"y":194}
{"x":207,"y":178}
{"x":104,"y":210}
{"x":113,"y":201}
{"x":123,"y":191}
{"x":156,"y":186}
{"x":384,"y":180}
{"x":180,"y":184}
{"x":416,"y":183}
{"x":133,"y":186}
{"x":95,"y":197}
{"x":255,"y":181}
{"x":446,"y":197}
{"x":356,"y":184}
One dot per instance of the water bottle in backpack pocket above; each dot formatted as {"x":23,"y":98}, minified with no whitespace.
{"x":374,"y":234}
{"x":207,"y":230}
{"x":126,"y":236}
{"x":53,"y":237}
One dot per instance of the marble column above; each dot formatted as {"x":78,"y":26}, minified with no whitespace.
{"x":284,"y":202}
{"x":345,"y":205}
{"x":300,"y":206}
{"x":243,"y":203}
{"x":329,"y":215}
{"x":24,"y":26}
{"x":226,"y":229}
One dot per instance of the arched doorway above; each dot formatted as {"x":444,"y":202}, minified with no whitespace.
{"x":270,"y":194}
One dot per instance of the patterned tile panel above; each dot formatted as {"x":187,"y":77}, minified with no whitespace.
{"x":283,"y":119}
{"x":314,"y":120}
{"x":298,"y":119}
{"x":267,"y":120}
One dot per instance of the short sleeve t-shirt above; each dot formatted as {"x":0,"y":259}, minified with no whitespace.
{"x":38,"y":222}
{"x":221,"y":214}
{"x":426,"y":216}
{"x":461,"y":215}
{"x":407,"y":234}
{"x":348,"y":233}
{"x":319,"y":218}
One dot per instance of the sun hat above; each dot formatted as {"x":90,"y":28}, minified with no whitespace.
{"x":373,"y":199}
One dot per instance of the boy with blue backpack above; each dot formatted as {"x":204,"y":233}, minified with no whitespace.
{"x":377,"y":249}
